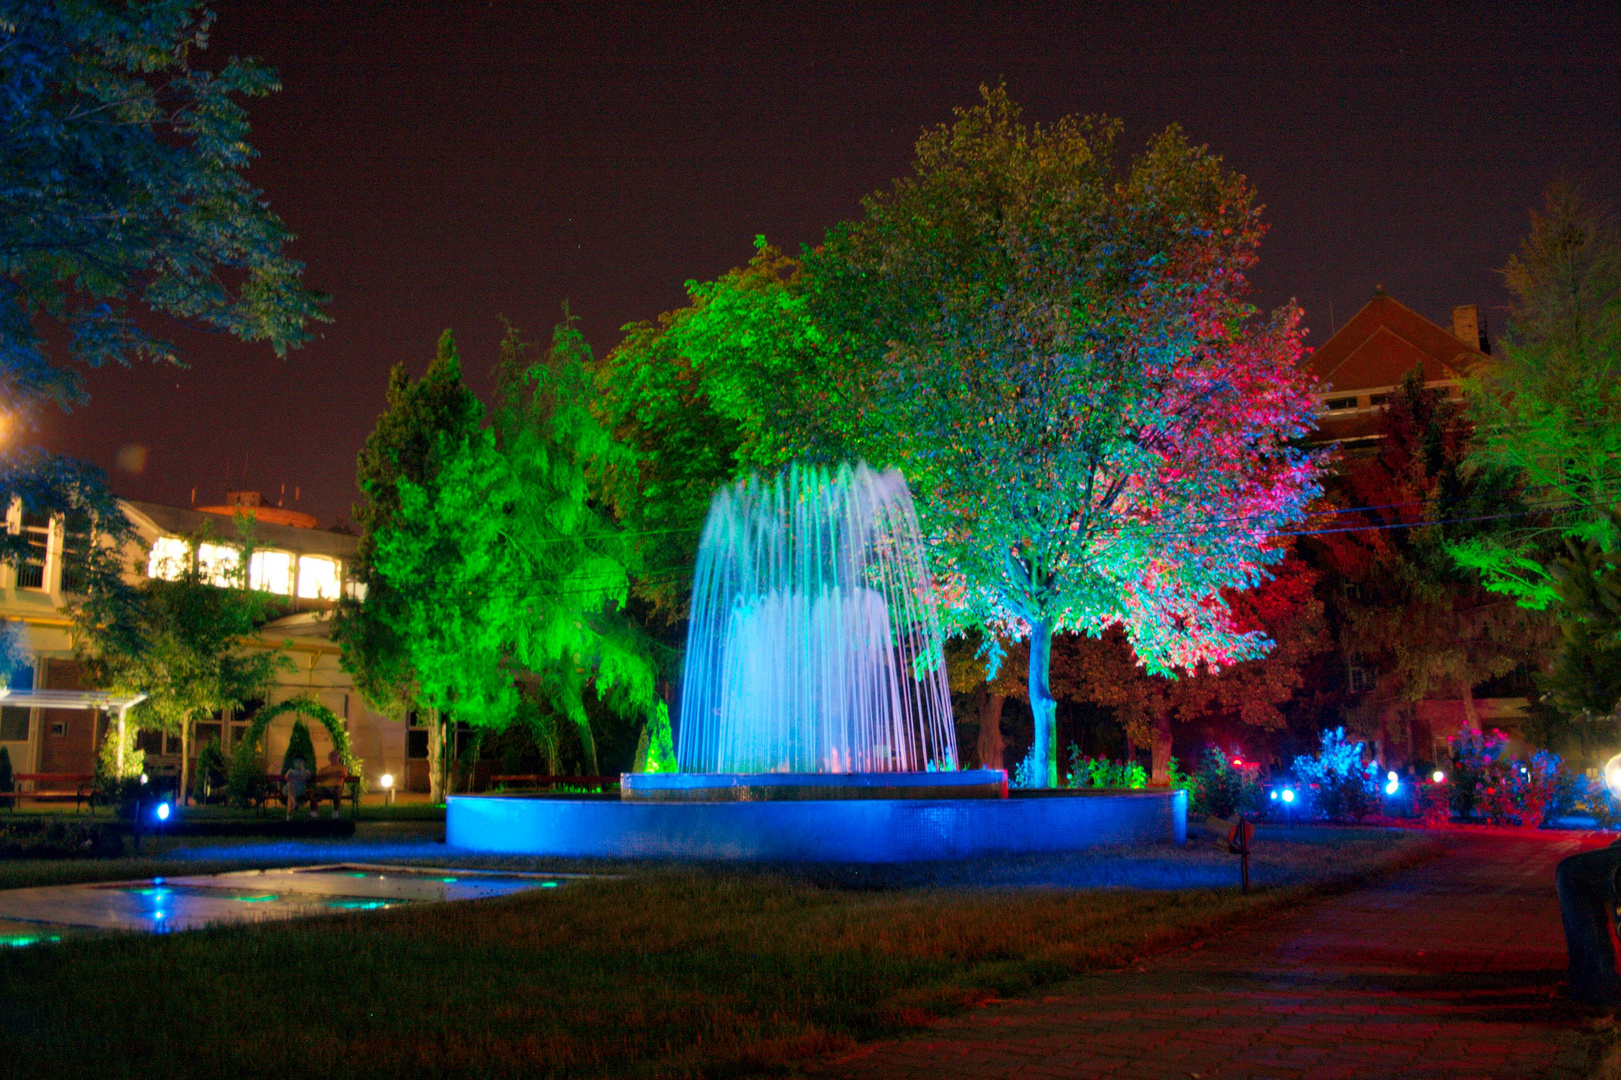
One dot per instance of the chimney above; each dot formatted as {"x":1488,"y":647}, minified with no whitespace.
{"x":1468,"y":327}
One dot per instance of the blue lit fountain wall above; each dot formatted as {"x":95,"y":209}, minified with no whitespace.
{"x":815,"y":720}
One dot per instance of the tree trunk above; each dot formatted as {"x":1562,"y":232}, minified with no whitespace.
{"x":1470,"y":716}
{"x":185,"y":762}
{"x":588,"y":743}
{"x":991,"y":746}
{"x":1161,"y":749}
{"x":1042,"y":706}
{"x":436,"y":757}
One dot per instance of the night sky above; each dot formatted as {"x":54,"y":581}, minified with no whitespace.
{"x":447,"y":165}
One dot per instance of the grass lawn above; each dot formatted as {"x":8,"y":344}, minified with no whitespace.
{"x":667,"y":972}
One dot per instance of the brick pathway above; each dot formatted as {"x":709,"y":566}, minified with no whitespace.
{"x":1449,"y":970}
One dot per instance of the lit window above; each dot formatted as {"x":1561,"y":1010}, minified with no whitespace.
{"x":271,"y":571}
{"x":218,"y":564}
{"x":170,"y":558}
{"x":317,"y":578}
{"x":1336,"y":404}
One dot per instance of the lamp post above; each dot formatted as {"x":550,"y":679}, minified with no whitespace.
{"x":387,"y":780}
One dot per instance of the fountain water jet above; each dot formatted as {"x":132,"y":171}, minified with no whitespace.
{"x":814,"y":649}
{"x":814,"y":646}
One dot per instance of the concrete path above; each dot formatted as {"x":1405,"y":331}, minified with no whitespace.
{"x":1449,"y":970}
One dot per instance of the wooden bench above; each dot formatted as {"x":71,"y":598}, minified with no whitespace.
{"x":80,"y":787}
{"x":547,"y":783}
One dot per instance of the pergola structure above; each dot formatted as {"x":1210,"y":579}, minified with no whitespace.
{"x":95,"y":700}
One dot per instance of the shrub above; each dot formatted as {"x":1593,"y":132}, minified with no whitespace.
{"x":1342,"y":787}
{"x":1024,"y":773}
{"x":1433,"y":802}
{"x":1085,"y":772}
{"x":1593,"y":796}
{"x":1222,"y":788}
{"x":211,"y":769}
{"x":1536,"y":792}
{"x":300,"y":747}
{"x":1474,"y":757}
{"x":247,"y":768}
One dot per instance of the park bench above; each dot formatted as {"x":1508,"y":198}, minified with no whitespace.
{"x":541,"y":782}
{"x":80,"y":787}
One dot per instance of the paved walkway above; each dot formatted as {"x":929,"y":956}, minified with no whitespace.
{"x":1449,"y":970}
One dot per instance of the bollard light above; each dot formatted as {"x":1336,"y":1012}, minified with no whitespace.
{"x":1274,"y":794}
{"x":387,"y":780}
{"x":1288,"y":795}
{"x":163,"y":811}
{"x":1439,"y":777}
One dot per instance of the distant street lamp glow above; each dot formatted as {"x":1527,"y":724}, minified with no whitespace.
{"x":1612,"y":775}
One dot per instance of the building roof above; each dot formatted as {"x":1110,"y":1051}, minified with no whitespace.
{"x":178,"y":521}
{"x":1383,"y":342}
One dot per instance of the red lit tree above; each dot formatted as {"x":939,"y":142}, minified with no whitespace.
{"x":1098,"y":429}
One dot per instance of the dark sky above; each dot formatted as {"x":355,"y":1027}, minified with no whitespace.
{"x":446,"y":165}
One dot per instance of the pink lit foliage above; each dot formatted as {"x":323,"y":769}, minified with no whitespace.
{"x":1098,"y":429}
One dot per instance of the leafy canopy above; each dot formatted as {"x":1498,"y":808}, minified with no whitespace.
{"x":1098,"y":428}
{"x":506,"y":572}
{"x":121,"y":171}
{"x":1549,"y":408}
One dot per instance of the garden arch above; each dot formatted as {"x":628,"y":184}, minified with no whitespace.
{"x":308,"y":706}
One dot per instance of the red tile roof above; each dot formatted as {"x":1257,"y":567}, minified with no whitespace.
{"x":1383,"y":342}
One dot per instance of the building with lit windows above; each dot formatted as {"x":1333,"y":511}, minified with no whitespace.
{"x":291,"y":558}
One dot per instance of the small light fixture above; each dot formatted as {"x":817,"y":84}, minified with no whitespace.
{"x":387,"y":780}
{"x":1390,"y":788}
{"x":143,"y":778}
{"x":163,"y":811}
{"x":1438,"y":776}
{"x":1274,"y":794}
{"x":1288,"y":794}
{"x":1391,"y":776}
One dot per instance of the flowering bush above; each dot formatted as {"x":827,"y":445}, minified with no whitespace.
{"x":1536,"y":792}
{"x":1474,"y":761}
{"x":1342,"y":787}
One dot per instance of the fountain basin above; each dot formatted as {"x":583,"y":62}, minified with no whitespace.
{"x":873,"y":830}
{"x":764,"y":787}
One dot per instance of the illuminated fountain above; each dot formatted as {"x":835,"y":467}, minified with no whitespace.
{"x":815,"y":721}
{"x":814,"y":663}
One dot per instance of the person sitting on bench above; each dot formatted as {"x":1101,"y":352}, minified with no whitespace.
{"x":297,"y":777}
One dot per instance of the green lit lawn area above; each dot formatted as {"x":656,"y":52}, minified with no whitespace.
{"x":672,"y":971}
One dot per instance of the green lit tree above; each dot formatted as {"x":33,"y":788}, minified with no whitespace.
{"x":737,"y":380}
{"x":506,"y":570}
{"x":1098,"y":429}
{"x":1584,"y":681}
{"x":420,"y":416}
{"x":1549,"y":407}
